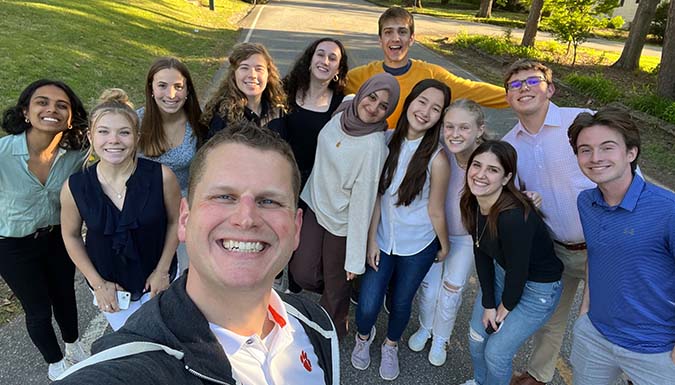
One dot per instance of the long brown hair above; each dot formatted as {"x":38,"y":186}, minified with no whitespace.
{"x":415,"y":175}
{"x":509,"y":198}
{"x":153,"y":141}
{"x":229,"y":102}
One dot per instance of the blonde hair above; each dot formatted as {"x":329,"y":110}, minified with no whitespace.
{"x":112,"y":101}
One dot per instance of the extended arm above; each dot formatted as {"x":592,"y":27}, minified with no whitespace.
{"x":71,"y":231}
{"x":440,"y":175}
{"x":159,"y":280}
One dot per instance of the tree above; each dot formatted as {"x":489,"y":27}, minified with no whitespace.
{"x":532,"y":23}
{"x":666,"y":80}
{"x":485,"y":9}
{"x":572,"y":21}
{"x":632,"y":48}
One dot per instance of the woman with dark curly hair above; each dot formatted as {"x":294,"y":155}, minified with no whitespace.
{"x":251,"y":90}
{"x":45,"y":145}
{"x":315,"y":88}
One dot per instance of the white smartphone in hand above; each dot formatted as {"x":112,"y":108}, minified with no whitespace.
{"x":123,"y":299}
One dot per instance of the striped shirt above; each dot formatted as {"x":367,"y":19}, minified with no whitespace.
{"x":631,"y":265}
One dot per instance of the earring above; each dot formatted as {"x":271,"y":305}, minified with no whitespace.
{"x":336,"y":78}
{"x":152,"y":96}
{"x":25,"y":119}
{"x":70,"y":126}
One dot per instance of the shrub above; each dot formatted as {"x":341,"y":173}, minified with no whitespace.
{"x":616,"y":22}
{"x":658,"y":25}
{"x":595,"y":86}
{"x":654,"y":105}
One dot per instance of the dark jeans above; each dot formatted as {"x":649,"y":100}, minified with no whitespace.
{"x":41,"y":275}
{"x":318,"y":265}
{"x":405,"y":274}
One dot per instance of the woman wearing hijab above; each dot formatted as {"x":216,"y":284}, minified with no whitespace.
{"x":340,"y":195}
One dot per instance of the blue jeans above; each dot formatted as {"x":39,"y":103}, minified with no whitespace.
{"x":492,"y":354}
{"x":406,"y":274}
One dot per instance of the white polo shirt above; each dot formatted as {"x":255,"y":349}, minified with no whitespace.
{"x":284,"y":356}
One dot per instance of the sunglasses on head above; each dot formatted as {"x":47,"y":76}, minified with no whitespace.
{"x":529,"y":82}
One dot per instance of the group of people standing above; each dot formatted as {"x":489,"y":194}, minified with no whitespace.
{"x":399,"y":185}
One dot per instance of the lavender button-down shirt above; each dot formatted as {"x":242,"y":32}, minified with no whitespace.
{"x":547,"y":165}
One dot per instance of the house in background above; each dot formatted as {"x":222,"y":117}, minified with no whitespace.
{"x":627,"y":9}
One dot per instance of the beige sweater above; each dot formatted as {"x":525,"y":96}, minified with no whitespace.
{"x":342,"y":187}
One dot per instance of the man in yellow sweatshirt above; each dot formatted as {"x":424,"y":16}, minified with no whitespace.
{"x":397,"y":35}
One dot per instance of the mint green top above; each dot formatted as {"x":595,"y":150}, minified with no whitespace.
{"x":26,"y":204}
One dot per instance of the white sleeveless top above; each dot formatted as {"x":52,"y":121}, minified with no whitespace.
{"x":406,"y":230}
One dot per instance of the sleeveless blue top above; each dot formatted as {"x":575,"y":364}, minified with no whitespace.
{"x":124,"y":246}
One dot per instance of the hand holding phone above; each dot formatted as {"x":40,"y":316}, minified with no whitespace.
{"x":123,"y":299}
{"x":489,"y":329}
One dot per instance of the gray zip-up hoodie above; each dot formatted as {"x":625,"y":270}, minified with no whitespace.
{"x":173,"y":320}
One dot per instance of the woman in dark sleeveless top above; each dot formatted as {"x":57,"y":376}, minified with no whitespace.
{"x":130,"y":206}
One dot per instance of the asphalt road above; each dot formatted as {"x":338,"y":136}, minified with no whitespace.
{"x":286,"y":27}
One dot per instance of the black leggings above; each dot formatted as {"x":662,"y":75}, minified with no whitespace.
{"x":42,"y":276}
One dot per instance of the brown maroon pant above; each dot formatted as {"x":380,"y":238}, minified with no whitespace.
{"x":318,"y":265}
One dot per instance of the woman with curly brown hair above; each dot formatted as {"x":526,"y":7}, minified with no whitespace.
{"x":251,"y":90}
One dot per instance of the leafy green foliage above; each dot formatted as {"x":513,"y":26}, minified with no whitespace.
{"x":658,"y":25}
{"x":571,"y":21}
{"x":595,"y":86}
{"x":654,"y":105}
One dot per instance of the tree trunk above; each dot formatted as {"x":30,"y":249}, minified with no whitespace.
{"x":485,"y":9}
{"x":666,"y":79}
{"x":632,"y":49}
{"x":532,"y":23}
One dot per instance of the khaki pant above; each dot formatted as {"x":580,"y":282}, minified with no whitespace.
{"x":548,"y":339}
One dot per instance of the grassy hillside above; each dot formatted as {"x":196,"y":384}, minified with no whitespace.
{"x":96,"y":44}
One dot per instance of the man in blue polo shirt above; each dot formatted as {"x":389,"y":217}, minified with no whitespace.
{"x":627,"y":317}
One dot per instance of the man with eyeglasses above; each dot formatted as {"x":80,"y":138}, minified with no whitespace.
{"x":547,"y":165}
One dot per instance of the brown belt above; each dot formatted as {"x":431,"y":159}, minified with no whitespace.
{"x":572,"y":246}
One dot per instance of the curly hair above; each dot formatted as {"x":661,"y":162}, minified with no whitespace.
{"x":298,"y":78}
{"x":153,"y":140}
{"x":229,"y":101}
{"x":74,"y":138}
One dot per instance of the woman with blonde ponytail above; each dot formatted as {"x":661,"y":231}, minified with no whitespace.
{"x":130,"y":206}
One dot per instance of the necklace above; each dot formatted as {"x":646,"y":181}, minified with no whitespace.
{"x":118,"y":194}
{"x":482,"y":232}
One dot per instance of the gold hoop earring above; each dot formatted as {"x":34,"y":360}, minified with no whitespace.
{"x":336,"y":78}
{"x":25,"y":119}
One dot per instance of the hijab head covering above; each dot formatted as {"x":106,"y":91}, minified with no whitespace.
{"x":350,"y":121}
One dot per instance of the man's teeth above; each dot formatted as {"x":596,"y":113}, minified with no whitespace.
{"x":244,"y":247}
{"x":394,"y":47}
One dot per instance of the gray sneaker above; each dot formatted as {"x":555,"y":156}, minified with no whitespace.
{"x":361,"y":352}
{"x":389,"y":364}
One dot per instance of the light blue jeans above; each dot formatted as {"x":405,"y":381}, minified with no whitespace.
{"x":492,"y":354}
{"x":596,"y":361}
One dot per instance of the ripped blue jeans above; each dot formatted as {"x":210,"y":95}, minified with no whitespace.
{"x":492,"y":354}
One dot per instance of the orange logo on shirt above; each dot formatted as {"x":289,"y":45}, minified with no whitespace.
{"x":305,"y":361}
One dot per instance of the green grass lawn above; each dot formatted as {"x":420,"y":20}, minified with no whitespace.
{"x":97,"y":44}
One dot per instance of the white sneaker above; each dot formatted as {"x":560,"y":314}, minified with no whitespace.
{"x":438,"y":352}
{"x":389,"y":369}
{"x":75,"y":352}
{"x":56,"y":369}
{"x":470,"y":382}
{"x":417,"y":341}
